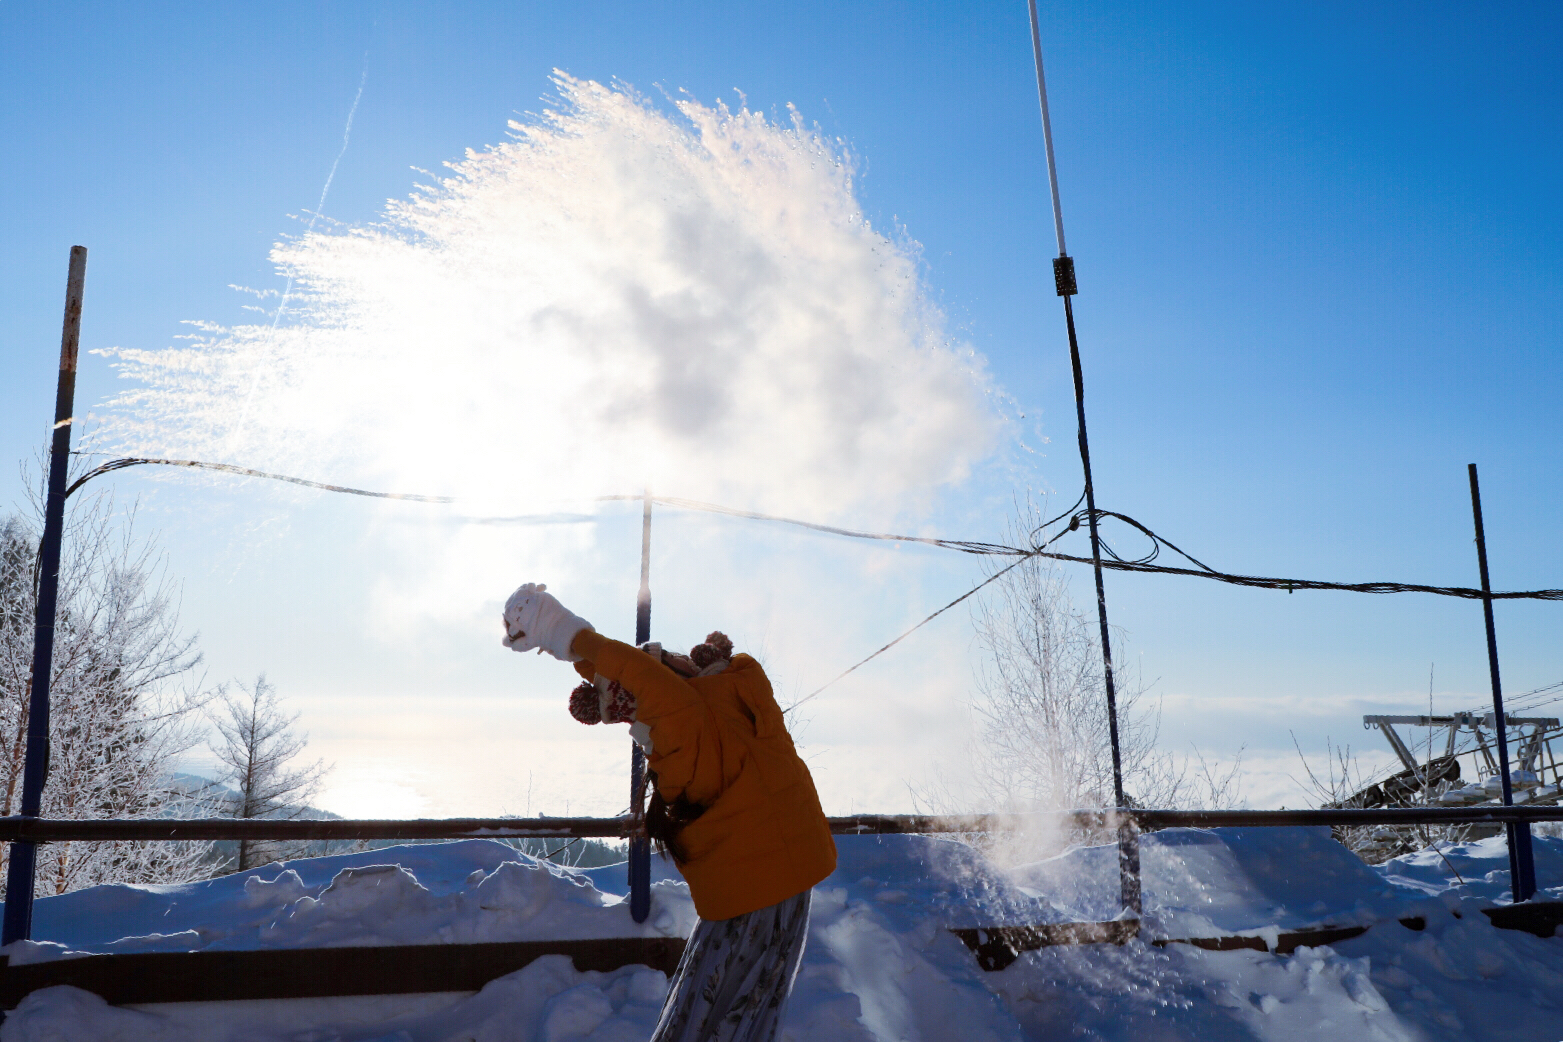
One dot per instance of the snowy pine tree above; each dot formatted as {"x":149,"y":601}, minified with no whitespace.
{"x":258,"y":746}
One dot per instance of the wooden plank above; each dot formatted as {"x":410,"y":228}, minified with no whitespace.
{"x":1285,"y":943}
{"x":1541,"y":918}
{"x":207,"y":976}
{"x":998,"y":946}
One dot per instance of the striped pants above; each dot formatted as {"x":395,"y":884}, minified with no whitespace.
{"x":735,"y":976}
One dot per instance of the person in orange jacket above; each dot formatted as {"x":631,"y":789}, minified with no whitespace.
{"x":732,"y":802}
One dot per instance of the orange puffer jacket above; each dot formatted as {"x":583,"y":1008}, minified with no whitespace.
{"x":721,"y":741}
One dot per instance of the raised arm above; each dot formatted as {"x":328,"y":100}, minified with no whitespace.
{"x":658,"y":690}
{"x":665,"y":702}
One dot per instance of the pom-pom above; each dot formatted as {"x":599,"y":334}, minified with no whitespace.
{"x":583,"y":703}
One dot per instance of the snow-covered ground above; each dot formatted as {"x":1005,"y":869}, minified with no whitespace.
{"x":881,"y":964}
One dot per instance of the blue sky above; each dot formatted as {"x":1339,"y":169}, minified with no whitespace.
{"x":1318,"y":248}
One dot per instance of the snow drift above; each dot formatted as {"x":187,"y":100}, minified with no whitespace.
{"x":881,"y":965}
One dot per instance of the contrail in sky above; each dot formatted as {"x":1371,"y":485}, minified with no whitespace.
{"x":347,"y":133}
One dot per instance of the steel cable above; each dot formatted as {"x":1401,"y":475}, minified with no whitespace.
{"x":1113,"y":559}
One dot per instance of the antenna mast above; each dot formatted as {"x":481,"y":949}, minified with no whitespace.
{"x":1064,"y":283}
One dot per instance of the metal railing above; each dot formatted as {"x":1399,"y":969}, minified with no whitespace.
{"x":55,"y":830}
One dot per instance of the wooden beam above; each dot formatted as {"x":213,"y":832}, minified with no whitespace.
{"x":1541,"y":918}
{"x":996,"y":947}
{"x":297,"y":973}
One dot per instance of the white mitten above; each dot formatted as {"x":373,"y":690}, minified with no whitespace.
{"x":534,"y":618}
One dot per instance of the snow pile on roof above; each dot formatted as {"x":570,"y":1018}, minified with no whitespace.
{"x":881,"y":964}
{"x":465,"y":892}
{"x":1202,"y":883}
{"x":1458,"y":978}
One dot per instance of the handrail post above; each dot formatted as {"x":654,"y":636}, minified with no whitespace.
{"x":20,"y":874}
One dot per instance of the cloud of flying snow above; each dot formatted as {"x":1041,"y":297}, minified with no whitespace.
{"x":619,"y":296}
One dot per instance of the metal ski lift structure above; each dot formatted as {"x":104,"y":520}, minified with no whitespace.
{"x":1535,"y":778}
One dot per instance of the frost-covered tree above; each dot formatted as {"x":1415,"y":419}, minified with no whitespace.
{"x":125,"y":693}
{"x":1042,"y":738}
{"x":258,"y":748}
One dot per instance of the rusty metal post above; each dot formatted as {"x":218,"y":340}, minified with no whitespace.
{"x":19,"y":877}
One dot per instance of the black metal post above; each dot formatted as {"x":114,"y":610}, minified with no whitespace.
{"x":19,"y":877}
{"x":640,"y":844}
{"x":1522,"y":860}
{"x":1128,"y":835}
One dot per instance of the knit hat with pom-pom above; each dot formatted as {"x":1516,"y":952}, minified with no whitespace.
{"x":584,"y":705}
{"x":717,"y":647}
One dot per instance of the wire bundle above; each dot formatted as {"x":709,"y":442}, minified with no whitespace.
{"x":1039,"y":548}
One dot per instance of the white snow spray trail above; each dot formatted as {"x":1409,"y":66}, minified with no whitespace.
{"x":620,"y":295}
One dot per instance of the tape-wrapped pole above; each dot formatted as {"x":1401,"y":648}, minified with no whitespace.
{"x":21,"y":871}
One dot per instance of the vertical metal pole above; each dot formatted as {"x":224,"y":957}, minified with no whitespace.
{"x":1047,"y":131}
{"x":643,"y":600}
{"x":1064,"y":282}
{"x":640,"y":844}
{"x":1128,"y":836}
{"x":1522,"y":860}
{"x":19,"y":877}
